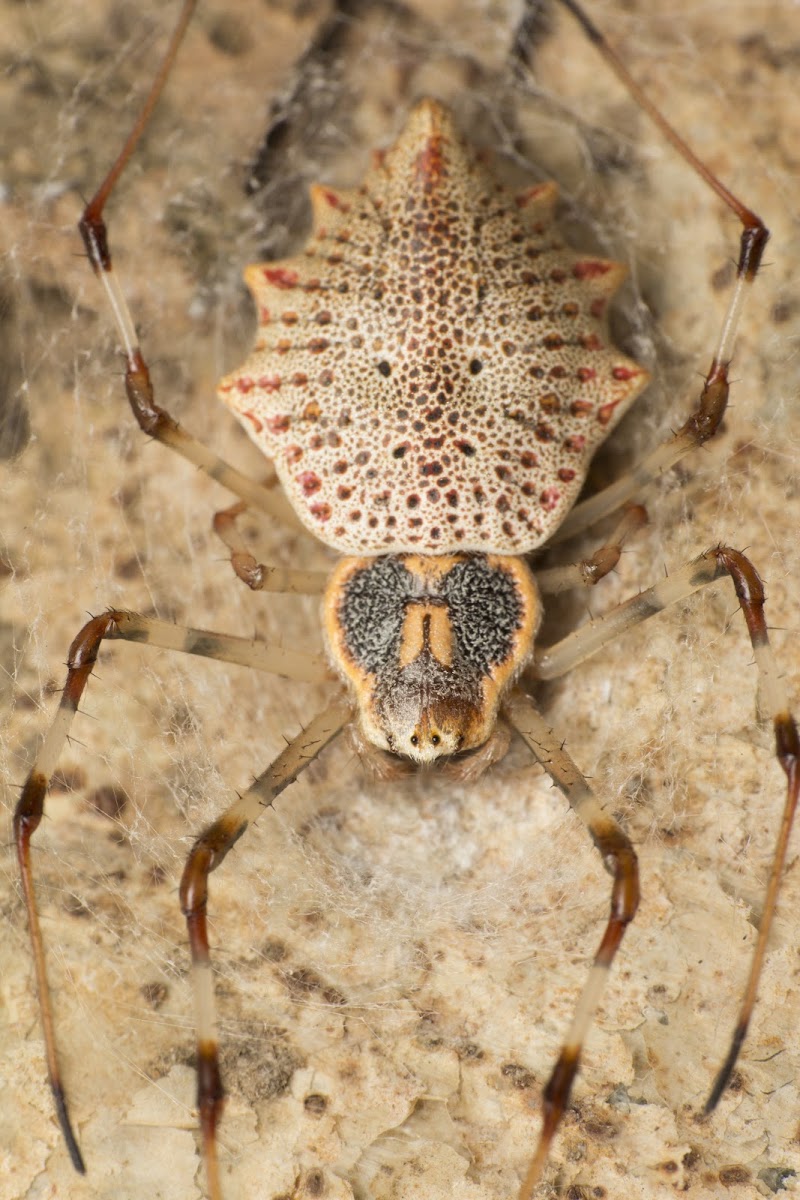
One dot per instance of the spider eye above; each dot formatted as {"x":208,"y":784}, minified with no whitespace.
{"x":414,"y":740}
{"x":435,"y":739}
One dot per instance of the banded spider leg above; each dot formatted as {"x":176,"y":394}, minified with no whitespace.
{"x":612,"y":843}
{"x":208,"y":851}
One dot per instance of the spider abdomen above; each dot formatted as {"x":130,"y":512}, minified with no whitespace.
{"x":433,"y":373}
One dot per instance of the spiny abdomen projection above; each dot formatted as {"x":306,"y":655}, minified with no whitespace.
{"x":433,"y":372}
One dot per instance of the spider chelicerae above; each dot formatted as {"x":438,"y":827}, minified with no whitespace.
{"x":215,"y":880}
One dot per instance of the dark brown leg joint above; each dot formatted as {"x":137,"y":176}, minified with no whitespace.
{"x":705,"y":422}
{"x":28,"y":812}
{"x":155,"y":421}
{"x":92,"y":229}
{"x":754,"y":238}
{"x":210,"y":1091}
{"x":206,"y":855}
{"x":555,"y":1096}
{"x":749,"y":590}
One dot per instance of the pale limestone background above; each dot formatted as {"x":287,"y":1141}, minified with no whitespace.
{"x":396,"y":963}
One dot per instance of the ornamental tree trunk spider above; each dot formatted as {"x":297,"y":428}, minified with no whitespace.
{"x":675,"y":579}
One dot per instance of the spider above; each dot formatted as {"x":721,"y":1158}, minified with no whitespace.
{"x":675,"y":576}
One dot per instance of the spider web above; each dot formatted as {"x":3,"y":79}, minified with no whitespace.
{"x":409,"y":953}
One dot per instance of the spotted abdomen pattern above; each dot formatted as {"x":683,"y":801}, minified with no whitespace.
{"x":433,"y":372}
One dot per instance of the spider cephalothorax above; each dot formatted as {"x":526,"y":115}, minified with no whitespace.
{"x":429,"y":645}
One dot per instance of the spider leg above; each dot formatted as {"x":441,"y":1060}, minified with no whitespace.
{"x":590,"y":571}
{"x":206,"y":855}
{"x":30,"y":807}
{"x":772,"y":700}
{"x":705,"y":420}
{"x":153,"y":419}
{"x":619,"y":858}
{"x":258,"y":576}
{"x":224,"y":647}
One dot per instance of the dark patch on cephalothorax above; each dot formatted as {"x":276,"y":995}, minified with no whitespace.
{"x":482,"y":603}
{"x":486,"y":612}
{"x":372,"y":610}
